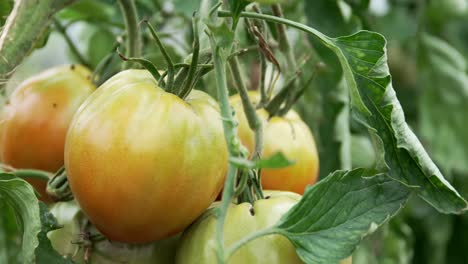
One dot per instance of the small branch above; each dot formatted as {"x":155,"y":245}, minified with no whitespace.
{"x":241,"y":242}
{"x":229,"y":134}
{"x":170,"y":64}
{"x":193,"y":65}
{"x":284,"y":45}
{"x":133,"y":41}
{"x":250,"y":112}
{"x":62,"y":30}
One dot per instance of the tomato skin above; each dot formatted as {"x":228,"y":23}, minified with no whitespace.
{"x":198,"y":243}
{"x":142,"y":163}
{"x":35,"y":119}
{"x":64,"y":240}
{"x":288,"y":134}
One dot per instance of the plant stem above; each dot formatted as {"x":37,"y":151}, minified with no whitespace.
{"x":249,"y":109}
{"x":325,"y":40}
{"x":70,"y":44}
{"x":241,"y":242}
{"x":229,"y":134}
{"x":31,"y":174}
{"x":170,"y":64}
{"x":133,"y":41}
{"x":284,"y":45}
{"x":26,"y":23}
{"x":187,"y":87}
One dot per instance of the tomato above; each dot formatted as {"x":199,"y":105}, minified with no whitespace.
{"x":35,"y":119}
{"x":289,"y":135}
{"x":143,"y":163}
{"x":64,"y":240}
{"x":198,"y":242}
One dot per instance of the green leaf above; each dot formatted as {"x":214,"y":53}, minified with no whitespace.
{"x":276,"y":161}
{"x":10,"y":240}
{"x":364,"y":59}
{"x":237,"y":6}
{"x":333,"y":18}
{"x":91,"y":11}
{"x":99,"y":45}
{"x":5,"y":9}
{"x":45,"y":253}
{"x":443,"y":103}
{"x":336,"y":213}
{"x":20,"y":195}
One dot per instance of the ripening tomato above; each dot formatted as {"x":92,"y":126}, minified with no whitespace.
{"x":66,"y":241}
{"x":35,"y":119}
{"x":198,"y":242}
{"x":143,"y":163}
{"x":287,"y":134}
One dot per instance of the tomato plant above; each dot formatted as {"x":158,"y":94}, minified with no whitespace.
{"x":335,"y":130}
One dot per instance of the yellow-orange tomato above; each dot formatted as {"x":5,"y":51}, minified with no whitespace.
{"x":289,"y":135}
{"x":143,"y":163}
{"x":35,"y":119}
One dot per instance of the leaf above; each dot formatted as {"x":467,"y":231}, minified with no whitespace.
{"x":237,"y":6}
{"x":20,"y":195}
{"x":99,"y":45}
{"x":5,"y":9}
{"x":364,"y":59}
{"x":276,"y":161}
{"x":443,"y":103}
{"x":336,"y":213}
{"x":91,"y":11}
{"x":333,"y":135}
{"x":10,"y":246}
{"x":45,"y":253}
{"x":333,"y":18}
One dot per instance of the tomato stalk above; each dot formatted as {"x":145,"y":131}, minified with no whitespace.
{"x":170,"y":65}
{"x":58,"y":187}
{"x":284,"y":45}
{"x":26,"y":23}
{"x":133,"y":41}
{"x":229,"y":126}
{"x":62,"y":30}
{"x":193,"y":65}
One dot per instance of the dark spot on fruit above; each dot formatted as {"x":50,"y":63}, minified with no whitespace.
{"x":88,"y":77}
{"x":72,"y":67}
{"x":7,"y":102}
{"x":268,"y":197}
{"x":252,"y":211}
{"x":54,"y":105}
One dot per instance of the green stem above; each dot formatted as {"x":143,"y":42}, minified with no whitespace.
{"x":26,"y":23}
{"x":229,"y":134}
{"x":193,"y":65}
{"x":284,"y":45}
{"x":241,"y":242}
{"x":325,"y":40}
{"x":133,"y":41}
{"x":170,"y":64}
{"x":32,"y":174}
{"x":249,"y":109}
{"x":70,"y":44}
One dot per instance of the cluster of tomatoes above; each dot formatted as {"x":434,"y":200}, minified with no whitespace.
{"x":144,"y":165}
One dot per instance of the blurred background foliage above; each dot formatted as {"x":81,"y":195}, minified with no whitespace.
{"x":427,"y":48}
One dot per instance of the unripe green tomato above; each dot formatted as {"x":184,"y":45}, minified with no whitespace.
{"x":36,"y":117}
{"x":198,"y":242}
{"x":143,"y":163}
{"x":65,"y":240}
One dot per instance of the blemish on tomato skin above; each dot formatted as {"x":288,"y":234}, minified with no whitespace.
{"x":72,"y":67}
{"x":54,"y":105}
